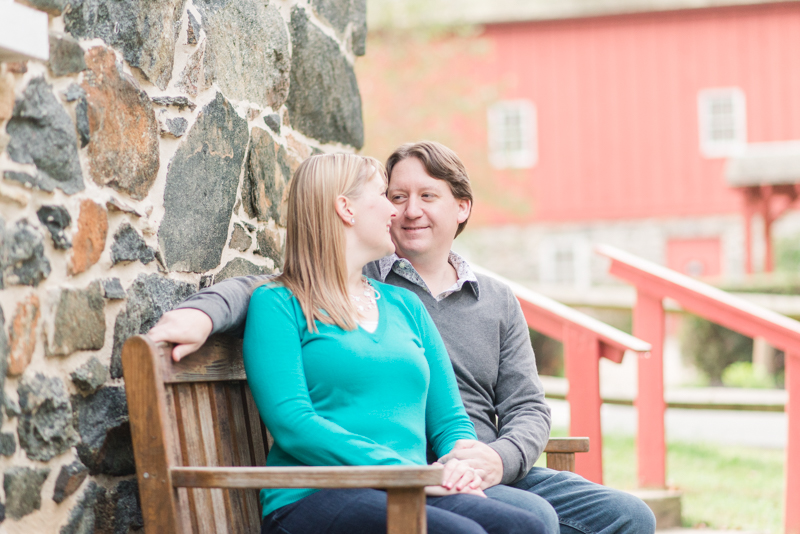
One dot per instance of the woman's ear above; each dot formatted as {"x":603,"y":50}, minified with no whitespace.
{"x":343,"y":210}
{"x":464,"y":209}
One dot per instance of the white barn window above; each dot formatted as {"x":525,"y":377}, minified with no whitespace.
{"x":723,"y":121}
{"x":512,"y":134}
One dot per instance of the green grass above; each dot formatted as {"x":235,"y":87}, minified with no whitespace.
{"x":723,"y":487}
{"x":737,"y":488}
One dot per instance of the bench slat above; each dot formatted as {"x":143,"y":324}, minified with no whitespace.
{"x":184,"y":507}
{"x":240,"y":442}
{"x":307,"y":477}
{"x":194,"y":454}
{"x":223,"y":430}
{"x":209,"y":444}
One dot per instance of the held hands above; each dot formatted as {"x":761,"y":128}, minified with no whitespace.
{"x":483,"y":459}
{"x":186,"y":327}
{"x":458,"y":477}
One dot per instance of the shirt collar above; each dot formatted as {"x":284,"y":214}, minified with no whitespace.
{"x":402,"y":267}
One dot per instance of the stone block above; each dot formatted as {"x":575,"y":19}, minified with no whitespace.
{"x":247,"y":50}
{"x":56,"y":219}
{"x":266,"y":177}
{"x":240,"y":239}
{"x":665,"y":505}
{"x":82,"y":517}
{"x":201,"y":189}
{"x":112,"y":289}
{"x":43,"y":134}
{"x":193,"y":30}
{"x":22,"y":335}
{"x":82,"y":121}
{"x":53,"y":7}
{"x":130,"y":246}
{"x":11,"y":406}
{"x":118,"y":510}
{"x":269,"y":246}
{"x":6,"y":95}
{"x":122,"y":127}
{"x":340,"y":13}
{"x":148,"y":298}
{"x":239,"y":267}
{"x":90,"y":376}
{"x":190,"y":79}
{"x":46,"y":422}
{"x":74,"y":92}
{"x":5,"y":350}
{"x":22,"y":260}
{"x":324,"y":101}
{"x":23,"y":487}
{"x":273,"y":122}
{"x":145,"y":31}
{"x":66,"y":55}
{"x":8,"y":444}
{"x":80,"y":322}
{"x":70,"y":478}
{"x":102,"y":420}
{"x":90,"y":239}
{"x":176,"y":126}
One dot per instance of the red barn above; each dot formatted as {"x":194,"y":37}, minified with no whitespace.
{"x":592,"y":121}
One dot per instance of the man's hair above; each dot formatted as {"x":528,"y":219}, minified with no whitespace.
{"x":314,"y":268}
{"x":441,"y":163}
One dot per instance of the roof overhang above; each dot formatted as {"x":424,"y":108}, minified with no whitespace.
{"x":765,"y":164}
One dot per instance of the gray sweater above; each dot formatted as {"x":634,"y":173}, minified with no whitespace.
{"x":487,"y":339}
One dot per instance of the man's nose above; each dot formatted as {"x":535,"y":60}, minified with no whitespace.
{"x":413,"y":209}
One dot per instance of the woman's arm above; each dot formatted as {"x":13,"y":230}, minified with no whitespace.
{"x":274,"y":365}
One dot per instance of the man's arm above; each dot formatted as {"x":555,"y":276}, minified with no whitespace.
{"x":523,"y":416}
{"x":221,"y":308}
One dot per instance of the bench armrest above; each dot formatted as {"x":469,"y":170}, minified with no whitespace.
{"x":307,"y":477}
{"x":558,"y":445}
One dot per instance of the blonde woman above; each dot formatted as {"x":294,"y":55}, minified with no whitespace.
{"x":350,"y":371}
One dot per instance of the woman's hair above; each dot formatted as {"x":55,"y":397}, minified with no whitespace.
{"x":441,"y":163}
{"x":314,"y":267}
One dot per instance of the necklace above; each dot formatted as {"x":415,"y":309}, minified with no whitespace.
{"x":368,"y":300}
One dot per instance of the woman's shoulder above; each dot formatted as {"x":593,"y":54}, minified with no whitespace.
{"x":271,"y":293}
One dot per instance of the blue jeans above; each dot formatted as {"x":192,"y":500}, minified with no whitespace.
{"x":363,"y":511}
{"x":569,"y":504}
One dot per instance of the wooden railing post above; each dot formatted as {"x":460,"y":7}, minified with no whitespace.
{"x":648,"y":324}
{"x":582,"y":365}
{"x":792,"y":502}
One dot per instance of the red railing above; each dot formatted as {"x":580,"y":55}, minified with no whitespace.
{"x":585,"y":340}
{"x":653,"y":284}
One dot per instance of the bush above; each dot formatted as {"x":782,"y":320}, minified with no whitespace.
{"x":549,"y":354}
{"x":711,"y":347}
{"x":744,"y":375}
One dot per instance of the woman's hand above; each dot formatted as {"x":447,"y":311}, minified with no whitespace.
{"x":458,"y":477}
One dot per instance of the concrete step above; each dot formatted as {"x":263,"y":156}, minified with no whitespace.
{"x":665,"y":504}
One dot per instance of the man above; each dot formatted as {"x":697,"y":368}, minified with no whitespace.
{"x":486,"y":337}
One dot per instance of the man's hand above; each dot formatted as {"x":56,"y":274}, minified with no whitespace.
{"x":481,"y":457}
{"x":186,"y":327}
{"x":457,"y":477}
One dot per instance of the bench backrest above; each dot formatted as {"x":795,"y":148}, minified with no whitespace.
{"x":210,"y":420}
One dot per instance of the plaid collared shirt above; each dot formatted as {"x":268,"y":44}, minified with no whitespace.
{"x":403,"y":267}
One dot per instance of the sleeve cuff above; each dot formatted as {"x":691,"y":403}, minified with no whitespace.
{"x":512,"y":460}
{"x":214,"y":313}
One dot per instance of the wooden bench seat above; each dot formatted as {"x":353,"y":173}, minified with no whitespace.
{"x":200,"y":447}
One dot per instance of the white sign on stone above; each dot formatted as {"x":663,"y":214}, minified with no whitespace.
{"x":23,"y":33}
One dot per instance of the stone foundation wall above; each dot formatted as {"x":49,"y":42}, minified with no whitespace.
{"x":146,"y":159}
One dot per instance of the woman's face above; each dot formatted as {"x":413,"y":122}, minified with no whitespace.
{"x":373,"y":214}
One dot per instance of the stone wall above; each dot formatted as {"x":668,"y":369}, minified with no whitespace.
{"x":146,"y":159}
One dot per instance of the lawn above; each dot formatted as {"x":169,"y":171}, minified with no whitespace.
{"x":739,"y":488}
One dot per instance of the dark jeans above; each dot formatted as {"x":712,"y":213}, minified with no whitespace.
{"x":363,"y":511}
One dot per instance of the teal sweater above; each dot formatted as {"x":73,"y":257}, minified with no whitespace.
{"x":338,"y":397}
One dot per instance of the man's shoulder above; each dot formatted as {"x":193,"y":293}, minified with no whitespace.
{"x":492,"y":288}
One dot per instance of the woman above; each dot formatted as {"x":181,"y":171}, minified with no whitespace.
{"x":349,"y":371}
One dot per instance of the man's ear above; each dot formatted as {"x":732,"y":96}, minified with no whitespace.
{"x":343,"y":209}
{"x":464,"y":209}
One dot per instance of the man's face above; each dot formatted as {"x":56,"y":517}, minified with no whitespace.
{"x":428,"y":213}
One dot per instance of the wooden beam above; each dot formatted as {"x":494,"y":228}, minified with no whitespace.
{"x":381,"y":477}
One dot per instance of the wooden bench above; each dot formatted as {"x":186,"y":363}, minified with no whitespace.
{"x":200,"y":447}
